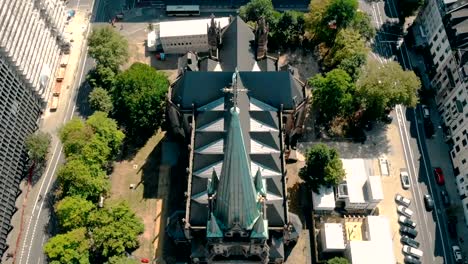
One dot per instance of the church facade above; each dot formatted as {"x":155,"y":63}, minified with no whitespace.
{"x":238,"y":114}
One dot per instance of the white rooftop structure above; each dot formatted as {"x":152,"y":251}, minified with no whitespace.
{"x":188,"y":27}
{"x":378,"y":248}
{"x":375,"y":189}
{"x":324,"y":200}
{"x":333,"y":238}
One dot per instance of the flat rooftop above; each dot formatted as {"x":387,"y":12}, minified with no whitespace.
{"x":191,"y":27}
{"x":356,"y":177}
{"x":334,"y":236}
{"x":325,"y":199}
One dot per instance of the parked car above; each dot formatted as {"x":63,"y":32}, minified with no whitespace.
{"x":402,"y":200}
{"x":411,"y":260}
{"x":457,"y":254}
{"x":439,"y":176}
{"x":428,"y":202}
{"x":404,"y":211}
{"x":405,"y":181}
{"x":425,"y":111}
{"x":412,"y":251}
{"x":387,"y":119}
{"x":452,"y":226}
{"x":406,"y":221}
{"x":409,"y":241}
{"x":429,"y":128}
{"x":445,"y":198}
{"x":409,"y":231}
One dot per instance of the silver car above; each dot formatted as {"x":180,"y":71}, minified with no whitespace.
{"x":405,"y":180}
{"x":404,"y":211}
{"x":402,"y":200}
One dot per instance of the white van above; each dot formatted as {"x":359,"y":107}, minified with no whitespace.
{"x":412,"y":251}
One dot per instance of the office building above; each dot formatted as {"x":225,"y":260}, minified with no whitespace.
{"x":441,"y":30}
{"x":30,"y":43}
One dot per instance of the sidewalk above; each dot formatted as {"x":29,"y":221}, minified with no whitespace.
{"x":50,"y":122}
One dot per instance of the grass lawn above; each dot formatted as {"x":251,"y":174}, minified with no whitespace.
{"x":148,"y":197}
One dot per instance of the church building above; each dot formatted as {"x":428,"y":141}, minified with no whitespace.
{"x":239,"y":115}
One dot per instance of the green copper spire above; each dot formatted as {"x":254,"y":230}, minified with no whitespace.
{"x":260,"y":229}
{"x":259,"y":184}
{"x":236,"y":202}
{"x":213,"y":184}
{"x":212,"y":228}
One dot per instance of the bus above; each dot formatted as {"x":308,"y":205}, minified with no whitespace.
{"x":183,"y":10}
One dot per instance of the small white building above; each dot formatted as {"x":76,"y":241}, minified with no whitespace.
{"x":376,"y":245}
{"x":360,"y":190}
{"x":324,"y":200}
{"x":180,"y":37}
{"x":332,"y":237}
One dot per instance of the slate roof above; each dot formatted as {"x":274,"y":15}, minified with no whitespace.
{"x":201,"y":88}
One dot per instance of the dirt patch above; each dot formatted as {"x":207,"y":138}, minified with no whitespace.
{"x":148,"y":194}
{"x":305,"y":63}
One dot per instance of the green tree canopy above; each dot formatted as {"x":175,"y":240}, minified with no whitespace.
{"x":139,"y":99}
{"x":362,"y":24}
{"x":323,"y":167}
{"x":108,"y":47}
{"x":289,"y":30}
{"x":352,"y":65}
{"x":101,"y":76}
{"x":115,"y":229}
{"x":122,"y":260}
{"x":348,"y":43}
{"x":100,"y":100}
{"x":72,"y":212}
{"x":341,"y":12}
{"x":313,"y":19}
{"x":78,"y":178}
{"x":333,"y":93}
{"x":107,"y":130}
{"x":381,"y":87}
{"x":68,"y":248}
{"x":338,"y":260}
{"x":255,"y":9}
{"x":74,"y":136}
{"x":37,"y":145}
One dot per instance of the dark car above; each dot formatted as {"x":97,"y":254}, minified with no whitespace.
{"x":411,"y":260}
{"x":409,"y":241}
{"x":429,"y":130}
{"x":439,"y":176}
{"x":445,"y":198}
{"x":428,"y":202}
{"x":452,"y":226}
{"x":408,"y":231}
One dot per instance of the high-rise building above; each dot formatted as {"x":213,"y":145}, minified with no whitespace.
{"x":441,"y":30}
{"x":31,"y":37}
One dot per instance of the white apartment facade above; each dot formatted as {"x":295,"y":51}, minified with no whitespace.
{"x":31,"y":37}
{"x":441,"y":29}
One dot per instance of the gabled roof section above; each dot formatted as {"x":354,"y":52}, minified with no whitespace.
{"x":260,"y":229}
{"x":236,"y":202}
{"x":257,"y":126}
{"x":215,"y":126}
{"x":216,"y":105}
{"x":212,"y":148}
{"x":266,"y":172}
{"x":257,"y":105}
{"x":207,"y":171}
{"x":236,"y":50}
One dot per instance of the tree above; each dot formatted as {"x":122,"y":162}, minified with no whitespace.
{"x":341,"y":12}
{"x":74,"y":136}
{"x":348,"y":43}
{"x":139,"y":97}
{"x":362,"y":24}
{"x":78,"y":178}
{"x":338,"y":260}
{"x":106,"y":128}
{"x":37,"y":145}
{"x":381,"y":87}
{"x":68,"y":248}
{"x":115,"y":229}
{"x":352,"y":65}
{"x":323,"y":167}
{"x":96,"y":152}
{"x":333,"y":93}
{"x":255,"y":9}
{"x":72,"y":212}
{"x":101,"y":76}
{"x":289,"y":30}
{"x":122,"y":260}
{"x":100,"y":100}
{"x":108,"y":47}
{"x":313,"y":19}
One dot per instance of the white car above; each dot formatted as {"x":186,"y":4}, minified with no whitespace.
{"x":402,"y":200}
{"x":404,"y":211}
{"x":405,"y":181}
{"x":406,"y":221}
{"x":457,"y":254}
{"x":412,"y":251}
{"x":426,"y":112}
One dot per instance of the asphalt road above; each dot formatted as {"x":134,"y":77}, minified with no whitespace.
{"x":432,"y":226}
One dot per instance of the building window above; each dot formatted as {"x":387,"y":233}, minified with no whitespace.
{"x":457,"y":148}
{"x":454,"y":127}
{"x":463,"y":161}
{"x":464,"y":142}
{"x":441,"y":58}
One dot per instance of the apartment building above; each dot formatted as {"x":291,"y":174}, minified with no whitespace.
{"x":31,"y":37}
{"x":441,"y":30}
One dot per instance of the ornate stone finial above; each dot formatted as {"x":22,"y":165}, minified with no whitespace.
{"x":234,"y":88}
